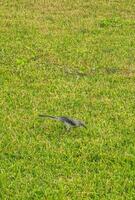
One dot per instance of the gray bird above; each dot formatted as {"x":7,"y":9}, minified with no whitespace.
{"x":67,"y":121}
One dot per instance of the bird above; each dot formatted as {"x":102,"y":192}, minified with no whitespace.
{"x":69,"y":122}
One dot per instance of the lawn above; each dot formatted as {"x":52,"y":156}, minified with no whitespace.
{"x":67,"y":58}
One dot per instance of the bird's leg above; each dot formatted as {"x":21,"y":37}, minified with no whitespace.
{"x":67,"y":127}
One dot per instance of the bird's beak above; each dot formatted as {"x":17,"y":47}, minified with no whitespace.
{"x":84,"y":126}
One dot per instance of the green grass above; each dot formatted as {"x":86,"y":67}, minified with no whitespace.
{"x":77,"y":59}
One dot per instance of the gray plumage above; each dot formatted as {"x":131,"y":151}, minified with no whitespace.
{"x":67,"y":121}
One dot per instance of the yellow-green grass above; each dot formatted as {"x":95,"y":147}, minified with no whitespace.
{"x":73,"y":58}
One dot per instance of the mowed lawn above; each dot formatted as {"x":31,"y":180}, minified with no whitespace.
{"x":74,"y":58}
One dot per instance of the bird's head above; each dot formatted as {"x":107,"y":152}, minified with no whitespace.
{"x":82,"y":124}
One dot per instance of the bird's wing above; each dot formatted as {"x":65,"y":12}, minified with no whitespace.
{"x":67,"y":120}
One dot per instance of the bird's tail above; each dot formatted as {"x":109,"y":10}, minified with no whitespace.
{"x":49,"y":116}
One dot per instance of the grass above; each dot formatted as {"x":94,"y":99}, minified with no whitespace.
{"x":75,"y":59}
